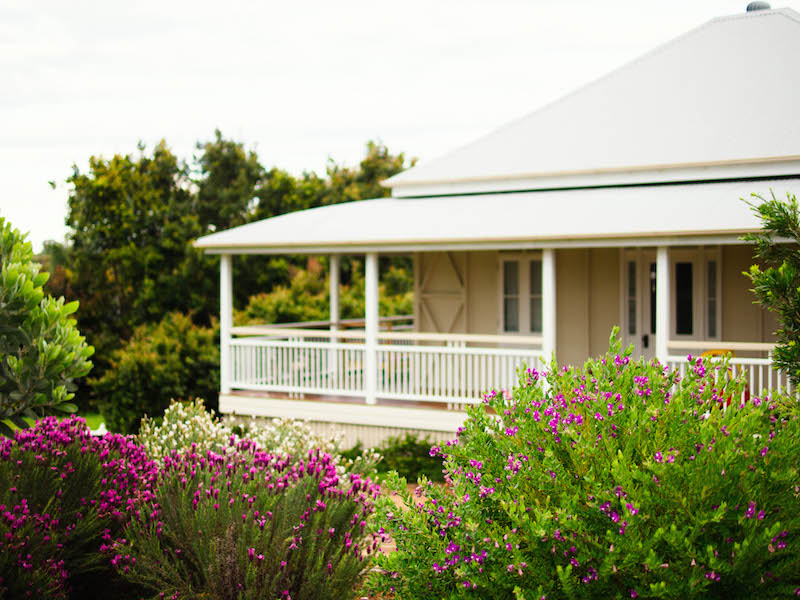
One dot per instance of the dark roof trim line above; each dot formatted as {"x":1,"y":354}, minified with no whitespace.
{"x":606,"y":186}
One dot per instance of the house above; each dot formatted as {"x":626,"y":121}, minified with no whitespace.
{"x":619,"y":204}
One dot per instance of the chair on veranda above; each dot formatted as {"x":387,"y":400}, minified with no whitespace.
{"x":733,"y":370}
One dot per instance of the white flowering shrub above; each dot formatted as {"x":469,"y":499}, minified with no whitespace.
{"x":296,"y":438}
{"x":289,"y":436}
{"x":187,"y":423}
{"x":184,"y":424}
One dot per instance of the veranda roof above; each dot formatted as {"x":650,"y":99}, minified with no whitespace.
{"x":721,"y":93}
{"x":611,"y":216}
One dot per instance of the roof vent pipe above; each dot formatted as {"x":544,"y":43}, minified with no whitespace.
{"x":758,"y":5}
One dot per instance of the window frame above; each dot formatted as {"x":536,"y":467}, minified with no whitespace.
{"x":524,"y":259}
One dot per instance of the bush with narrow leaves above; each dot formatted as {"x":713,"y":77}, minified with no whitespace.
{"x":250,"y":525}
{"x":64,"y":495}
{"x":614,"y":480}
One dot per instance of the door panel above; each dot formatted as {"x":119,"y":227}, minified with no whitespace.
{"x":440,"y":292}
{"x":639,"y":302}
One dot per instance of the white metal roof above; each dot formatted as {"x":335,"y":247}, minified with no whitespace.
{"x":640,"y":215}
{"x":723,"y":93}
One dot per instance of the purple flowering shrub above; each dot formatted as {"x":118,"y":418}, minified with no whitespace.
{"x":250,"y":524}
{"x":614,"y":480}
{"x":63,"y":496}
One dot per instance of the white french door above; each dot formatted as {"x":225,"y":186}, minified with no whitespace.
{"x":694,"y":303}
{"x":639,"y":301}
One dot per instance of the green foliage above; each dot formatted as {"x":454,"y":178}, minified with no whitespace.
{"x":408,"y":456}
{"x":41,"y":350}
{"x":777,"y":286}
{"x":307,"y":297}
{"x":130,"y":257}
{"x":171,"y":359}
{"x":614,"y":480}
{"x":281,"y":192}
{"x":228,"y":183}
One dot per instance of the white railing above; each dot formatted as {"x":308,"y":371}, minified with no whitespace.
{"x":421,"y":367}
{"x":298,"y":366}
{"x":760,"y":376}
{"x":456,"y":374}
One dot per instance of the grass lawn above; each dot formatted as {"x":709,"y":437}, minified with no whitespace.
{"x":93,"y":420}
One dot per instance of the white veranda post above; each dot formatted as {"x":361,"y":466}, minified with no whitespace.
{"x":548,"y":303}
{"x":333,"y":355}
{"x":334,"y":291}
{"x":371,"y":319}
{"x":225,"y":321}
{"x":662,"y":304}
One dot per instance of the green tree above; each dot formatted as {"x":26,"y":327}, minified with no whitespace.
{"x":228,"y":182}
{"x":171,"y":359}
{"x":125,"y":245}
{"x":307,"y":297}
{"x":347,"y":184}
{"x":777,"y":285}
{"x":41,"y":350}
{"x":283,"y":193}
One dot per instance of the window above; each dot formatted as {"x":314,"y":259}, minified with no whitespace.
{"x":711,"y":298}
{"x":511,"y":296}
{"x":684,"y":299}
{"x":695,"y":293}
{"x":522,"y":295}
{"x":632,"y":297}
{"x":535,"y":281}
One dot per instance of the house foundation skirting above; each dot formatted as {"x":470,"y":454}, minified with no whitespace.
{"x":369,"y":425}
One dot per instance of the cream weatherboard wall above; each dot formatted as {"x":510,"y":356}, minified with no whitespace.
{"x":588,"y":304}
{"x":459,"y":292}
{"x":742,"y":319}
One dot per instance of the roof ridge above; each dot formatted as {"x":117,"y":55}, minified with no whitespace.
{"x":616,"y":72}
{"x":786,"y":11}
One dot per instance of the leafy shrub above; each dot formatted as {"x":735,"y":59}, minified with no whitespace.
{"x":63,"y":495}
{"x":409,"y":456}
{"x":307,"y":298}
{"x":250,"y":525}
{"x":41,"y":351}
{"x":171,"y":359}
{"x":615,"y":480}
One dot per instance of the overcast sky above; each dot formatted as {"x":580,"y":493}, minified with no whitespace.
{"x":298,"y":81}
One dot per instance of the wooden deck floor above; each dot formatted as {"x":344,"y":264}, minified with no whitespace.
{"x":342,"y":399}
